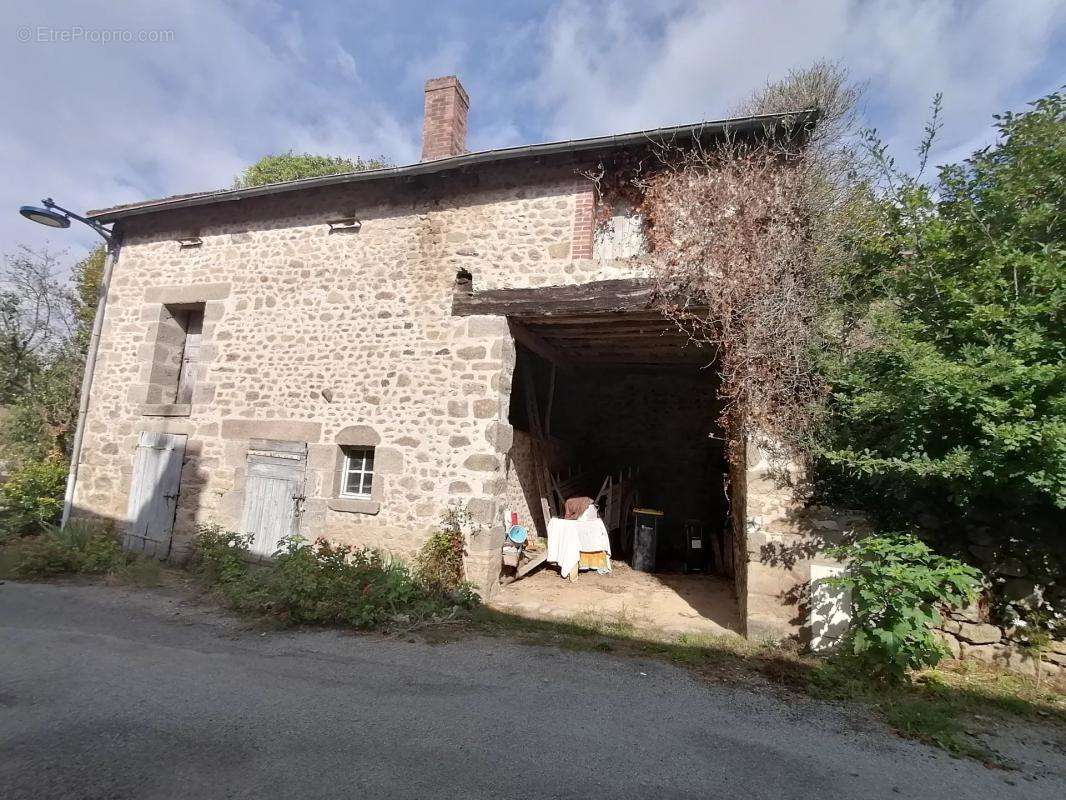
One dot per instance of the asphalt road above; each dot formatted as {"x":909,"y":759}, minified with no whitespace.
{"x":108,"y":693}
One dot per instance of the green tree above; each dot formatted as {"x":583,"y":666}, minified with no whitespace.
{"x":43,"y":404}
{"x":948,"y":401}
{"x":292,"y":166}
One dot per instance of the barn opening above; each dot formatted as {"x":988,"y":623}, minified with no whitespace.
{"x":609,"y":400}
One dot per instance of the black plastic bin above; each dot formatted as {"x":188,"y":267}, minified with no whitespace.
{"x":697,"y":548}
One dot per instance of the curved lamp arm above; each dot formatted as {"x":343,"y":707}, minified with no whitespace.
{"x":50,"y":204}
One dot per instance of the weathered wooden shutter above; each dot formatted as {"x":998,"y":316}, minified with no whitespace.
{"x":154,"y":493}
{"x":190,"y":357}
{"x":273,"y":493}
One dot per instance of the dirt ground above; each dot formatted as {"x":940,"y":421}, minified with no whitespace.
{"x":669,"y":603}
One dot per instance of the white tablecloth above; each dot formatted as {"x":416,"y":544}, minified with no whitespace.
{"x":567,"y":538}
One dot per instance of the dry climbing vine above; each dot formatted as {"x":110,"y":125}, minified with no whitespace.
{"x":731,"y":252}
{"x":734,"y":266}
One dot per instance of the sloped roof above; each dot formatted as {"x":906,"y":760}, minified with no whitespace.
{"x":736,"y":125}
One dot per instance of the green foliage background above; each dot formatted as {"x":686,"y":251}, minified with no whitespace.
{"x":947,"y":409}
{"x":293,"y":166}
{"x":41,"y":411}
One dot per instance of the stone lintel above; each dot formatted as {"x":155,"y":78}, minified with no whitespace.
{"x":165,"y":409}
{"x":282,"y":429}
{"x":201,"y":293}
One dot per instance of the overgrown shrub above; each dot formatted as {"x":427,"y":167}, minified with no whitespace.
{"x":83,"y":547}
{"x":320,"y":583}
{"x":32,"y":497}
{"x":324,"y":583}
{"x":221,"y":556}
{"x":898,"y":586}
{"x":294,"y":166}
{"x":439,"y":565}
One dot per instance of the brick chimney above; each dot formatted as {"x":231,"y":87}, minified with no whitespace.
{"x":444,"y":124}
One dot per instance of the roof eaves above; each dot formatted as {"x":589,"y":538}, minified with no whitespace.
{"x":741,"y":124}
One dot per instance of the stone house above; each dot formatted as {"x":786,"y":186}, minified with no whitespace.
{"x":346,"y":356}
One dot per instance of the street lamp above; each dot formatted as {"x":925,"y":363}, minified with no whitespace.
{"x":55,"y":216}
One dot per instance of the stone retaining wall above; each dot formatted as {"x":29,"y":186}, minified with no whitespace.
{"x":968,"y":636}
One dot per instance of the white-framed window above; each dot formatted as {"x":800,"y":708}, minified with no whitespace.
{"x":357,"y":479}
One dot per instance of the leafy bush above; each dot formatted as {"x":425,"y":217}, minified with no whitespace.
{"x":439,"y":564}
{"x":46,"y":557}
{"x":319,"y":583}
{"x":292,"y":166}
{"x":32,"y":497}
{"x":897,"y":587}
{"x":82,"y":547}
{"x":323,"y":583}
{"x":221,"y":556}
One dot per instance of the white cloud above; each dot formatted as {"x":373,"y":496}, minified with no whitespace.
{"x":345,"y":62}
{"x":616,"y":66}
{"x":95,"y":124}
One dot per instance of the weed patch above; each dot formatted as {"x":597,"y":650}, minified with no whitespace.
{"x":83,"y":547}
{"x":943,"y":706}
{"x":321,"y":583}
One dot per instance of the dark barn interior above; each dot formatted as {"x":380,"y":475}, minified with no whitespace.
{"x":610,"y":400}
{"x":624,"y":401}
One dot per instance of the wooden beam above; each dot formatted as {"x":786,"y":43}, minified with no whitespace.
{"x":592,"y":357}
{"x":564,"y":334}
{"x":531,"y":341}
{"x":532,"y":564}
{"x":575,"y":348}
{"x":614,"y":339}
{"x":598,"y":297}
{"x":605,"y":319}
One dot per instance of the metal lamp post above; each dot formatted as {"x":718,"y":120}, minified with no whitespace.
{"x":55,"y":216}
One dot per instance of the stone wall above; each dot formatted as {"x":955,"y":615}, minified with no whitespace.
{"x":968,"y":634}
{"x":520,"y":493}
{"x":308,"y":334}
{"x":782,"y":538}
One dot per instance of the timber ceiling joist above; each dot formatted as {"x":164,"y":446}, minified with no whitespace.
{"x":609,"y":323}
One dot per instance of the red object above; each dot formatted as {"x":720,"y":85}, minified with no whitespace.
{"x":514,"y":517}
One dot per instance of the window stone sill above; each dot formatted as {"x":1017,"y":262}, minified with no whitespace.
{"x":165,"y":409}
{"x":353,"y":506}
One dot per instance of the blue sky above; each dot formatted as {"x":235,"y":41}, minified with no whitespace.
{"x":96,"y":123}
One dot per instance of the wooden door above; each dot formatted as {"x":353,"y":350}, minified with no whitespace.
{"x":273,"y":494}
{"x":154,"y":493}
